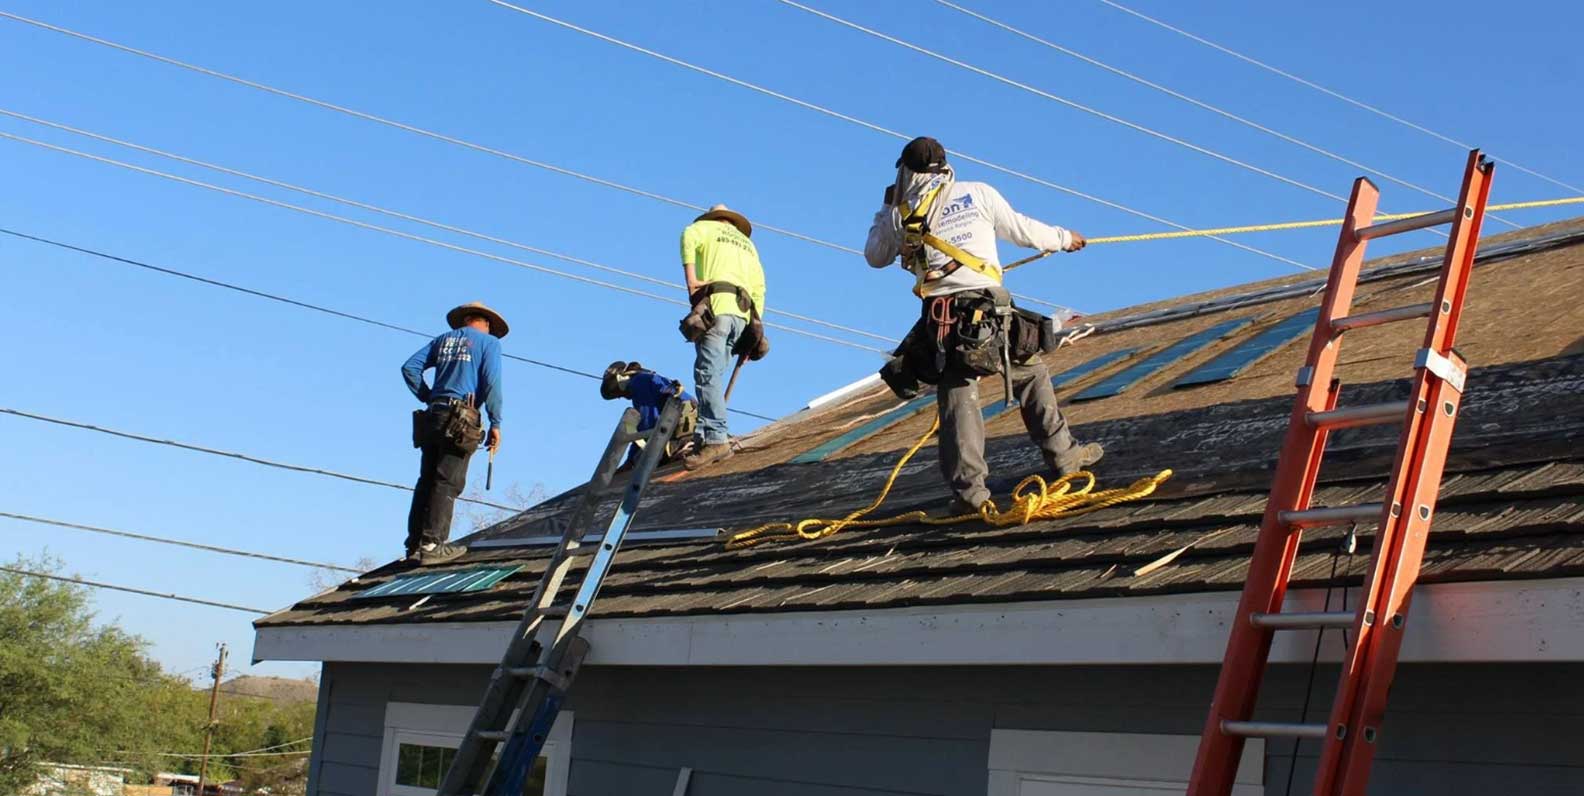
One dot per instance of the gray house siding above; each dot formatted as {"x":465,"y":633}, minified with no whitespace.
{"x":1452,"y":729}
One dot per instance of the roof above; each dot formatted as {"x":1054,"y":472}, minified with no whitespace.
{"x":1512,"y":503}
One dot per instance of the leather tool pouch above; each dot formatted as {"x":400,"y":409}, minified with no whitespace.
{"x":977,"y":349}
{"x":752,"y":342}
{"x":697,"y":322}
{"x":463,"y":428}
{"x":1032,"y":334}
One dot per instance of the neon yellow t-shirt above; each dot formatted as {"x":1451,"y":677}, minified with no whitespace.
{"x":719,"y":252}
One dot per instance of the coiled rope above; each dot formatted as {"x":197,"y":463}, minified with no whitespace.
{"x":1033,"y":499}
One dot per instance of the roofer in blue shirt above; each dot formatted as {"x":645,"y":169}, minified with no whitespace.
{"x":648,"y":392}
{"x":467,"y":373}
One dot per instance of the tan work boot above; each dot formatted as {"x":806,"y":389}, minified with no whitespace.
{"x":1076,"y":458}
{"x":708,"y":454}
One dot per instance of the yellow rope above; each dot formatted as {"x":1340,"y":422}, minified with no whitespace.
{"x":1329,"y":222}
{"x":1033,"y":499}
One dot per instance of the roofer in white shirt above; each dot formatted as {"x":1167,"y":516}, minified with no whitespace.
{"x":945,"y":233}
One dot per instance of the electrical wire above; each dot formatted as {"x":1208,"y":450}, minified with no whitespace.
{"x":1074,"y":104}
{"x":427,"y":133}
{"x":129,"y":589}
{"x":409,"y":217}
{"x":408,"y":235}
{"x":883,"y":130}
{"x":1201,"y":104}
{"x":233,"y":455}
{"x":1330,"y":92}
{"x":176,"y":542}
{"x":303,"y":304}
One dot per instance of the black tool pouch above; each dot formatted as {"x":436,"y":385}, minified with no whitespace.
{"x":463,"y":427}
{"x":1032,"y":334}
{"x":977,"y":348}
{"x":912,"y":365}
{"x":420,"y":431}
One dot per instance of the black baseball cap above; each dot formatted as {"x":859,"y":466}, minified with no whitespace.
{"x":923,"y":154}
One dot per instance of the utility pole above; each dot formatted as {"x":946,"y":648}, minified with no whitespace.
{"x":214,"y":702}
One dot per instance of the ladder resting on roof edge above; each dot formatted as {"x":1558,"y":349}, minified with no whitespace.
{"x":1351,"y":734}
{"x":528,"y":687}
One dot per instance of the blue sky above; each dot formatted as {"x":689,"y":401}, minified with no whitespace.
{"x":120,"y":347}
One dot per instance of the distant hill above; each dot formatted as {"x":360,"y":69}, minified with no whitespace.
{"x":279,"y":689}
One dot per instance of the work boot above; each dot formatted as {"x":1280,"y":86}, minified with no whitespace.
{"x":431,"y":553}
{"x":960,"y":506}
{"x":1076,"y":458}
{"x":709,"y":453}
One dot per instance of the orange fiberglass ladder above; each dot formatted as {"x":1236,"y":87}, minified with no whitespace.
{"x":1350,"y":737}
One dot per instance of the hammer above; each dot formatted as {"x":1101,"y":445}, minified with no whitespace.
{"x":742,"y":360}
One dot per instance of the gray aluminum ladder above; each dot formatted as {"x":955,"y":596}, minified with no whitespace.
{"x":528,"y":687}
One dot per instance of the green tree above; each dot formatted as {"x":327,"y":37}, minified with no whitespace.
{"x":74,"y":692}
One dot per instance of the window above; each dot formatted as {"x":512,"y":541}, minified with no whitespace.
{"x":421,"y":740}
{"x":1033,"y":763}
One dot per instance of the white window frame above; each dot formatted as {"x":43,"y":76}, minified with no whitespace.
{"x":1152,"y":764}
{"x":444,"y":725}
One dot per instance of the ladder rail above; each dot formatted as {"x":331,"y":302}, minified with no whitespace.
{"x":508,"y":692}
{"x":1248,"y":645}
{"x":1360,"y":702}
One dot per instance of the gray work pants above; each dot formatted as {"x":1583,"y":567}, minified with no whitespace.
{"x":962,"y":435}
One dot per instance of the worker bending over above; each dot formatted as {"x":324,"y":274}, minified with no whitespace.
{"x":726,"y":288}
{"x":648,"y":392}
{"x":467,"y":374}
{"x":945,"y":232}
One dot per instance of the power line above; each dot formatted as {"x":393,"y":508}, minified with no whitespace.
{"x":408,"y":217}
{"x":176,"y":542}
{"x":1322,"y":89}
{"x":302,"y":304}
{"x":406,"y":235}
{"x":129,"y":589}
{"x":233,"y":455}
{"x":1065,"y":101}
{"x":438,"y":136}
{"x":879,"y":129}
{"x":1200,"y":103}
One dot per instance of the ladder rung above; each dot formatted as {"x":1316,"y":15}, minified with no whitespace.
{"x":1273,"y":729}
{"x":1367,"y":415}
{"x":497,"y":736}
{"x":1407,"y":224}
{"x":554,"y":612}
{"x":1377,"y":318}
{"x":550,"y":676}
{"x":1302,"y":620}
{"x":1339,"y":515}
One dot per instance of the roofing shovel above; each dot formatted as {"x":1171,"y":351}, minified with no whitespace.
{"x":732,"y":382}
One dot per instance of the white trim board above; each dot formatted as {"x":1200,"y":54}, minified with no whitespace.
{"x":1116,"y":762}
{"x":1511,"y":621}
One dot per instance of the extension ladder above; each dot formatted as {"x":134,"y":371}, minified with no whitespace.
{"x":1350,"y":736}
{"x":526,"y":691}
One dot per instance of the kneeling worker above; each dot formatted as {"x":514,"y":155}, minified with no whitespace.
{"x":648,"y":392}
{"x":726,"y":288}
{"x":945,"y":232}
{"x":467,"y":373}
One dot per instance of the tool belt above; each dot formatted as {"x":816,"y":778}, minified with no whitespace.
{"x":973,"y":333}
{"x":453,"y":422}
{"x":752,"y":343}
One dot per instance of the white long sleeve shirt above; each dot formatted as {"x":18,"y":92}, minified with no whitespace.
{"x":974,"y":217}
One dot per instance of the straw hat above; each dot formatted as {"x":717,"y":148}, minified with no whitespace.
{"x":498,"y":326}
{"x":724,"y":213}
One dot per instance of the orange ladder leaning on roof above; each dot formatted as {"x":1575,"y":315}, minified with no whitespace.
{"x":1350,"y":737}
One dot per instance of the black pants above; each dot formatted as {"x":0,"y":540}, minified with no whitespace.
{"x":442,"y":475}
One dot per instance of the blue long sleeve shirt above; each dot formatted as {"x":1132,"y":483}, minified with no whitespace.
{"x":649,"y":392}
{"x":465,"y":362}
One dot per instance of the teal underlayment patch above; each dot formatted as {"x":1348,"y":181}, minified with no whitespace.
{"x":1252,"y":350}
{"x":1160,"y":360}
{"x":824,"y":450}
{"x":1069,"y":376}
{"x":454,"y":581}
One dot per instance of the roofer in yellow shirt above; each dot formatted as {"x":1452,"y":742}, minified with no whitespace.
{"x":726,"y":287}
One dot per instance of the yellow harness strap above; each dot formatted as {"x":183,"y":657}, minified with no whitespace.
{"x":914,"y":237}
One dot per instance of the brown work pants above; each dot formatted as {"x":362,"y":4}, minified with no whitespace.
{"x":962,"y":434}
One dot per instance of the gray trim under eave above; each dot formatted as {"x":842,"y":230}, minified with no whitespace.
{"x":1512,"y":621}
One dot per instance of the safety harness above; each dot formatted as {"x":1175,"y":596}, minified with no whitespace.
{"x":916,"y":236}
